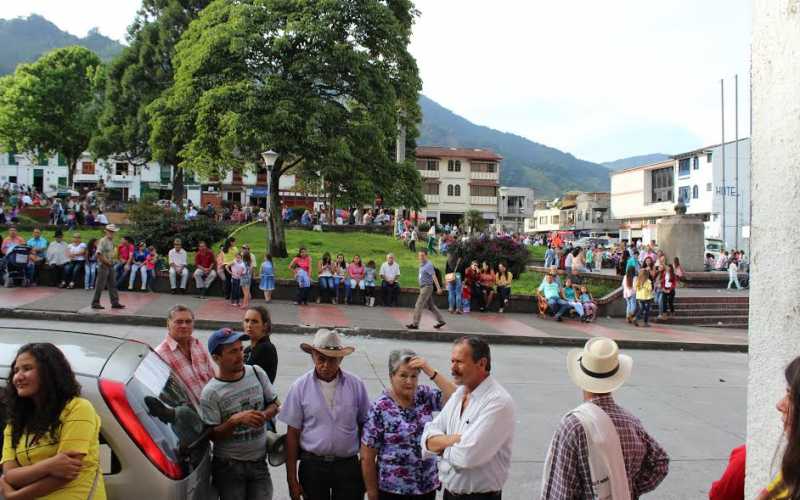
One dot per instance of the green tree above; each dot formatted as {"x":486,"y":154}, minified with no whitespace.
{"x":326,"y":84}
{"x":50,"y":106}
{"x":141,"y":74}
{"x":473,"y":219}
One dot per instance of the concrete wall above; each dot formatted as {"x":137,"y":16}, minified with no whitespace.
{"x":774,"y":321}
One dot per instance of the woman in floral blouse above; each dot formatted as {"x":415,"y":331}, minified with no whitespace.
{"x":391,"y":458}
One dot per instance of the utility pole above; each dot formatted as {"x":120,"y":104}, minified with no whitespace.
{"x":736,"y":149}
{"x":724,"y":186}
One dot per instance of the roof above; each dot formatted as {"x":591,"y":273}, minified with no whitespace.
{"x":663,"y":163}
{"x":707,"y":149}
{"x":466,"y":153}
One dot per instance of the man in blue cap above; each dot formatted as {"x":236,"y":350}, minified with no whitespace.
{"x":238,"y":403}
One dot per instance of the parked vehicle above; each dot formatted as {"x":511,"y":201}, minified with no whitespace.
{"x":715,"y":247}
{"x":153,"y":444}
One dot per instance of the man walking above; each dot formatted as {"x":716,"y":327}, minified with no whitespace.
{"x":427,"y":279}
{"x":473,"y":433}
{"x":324,"y":411}
{"x":184,"y":353}
{"x":106,"y":275}
{"x":238,"y":404}
{"x":204,"y":264}
{"x":601,"y":450}
{"x":177,"y":266}
{"x":389,"y":272}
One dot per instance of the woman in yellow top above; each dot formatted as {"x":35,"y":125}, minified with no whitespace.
{"x":786,"y":484}
{"x":51,"y":442}
{"x":225,"y":257}
{"x":644,"y":297}
{"x":503,"y":279}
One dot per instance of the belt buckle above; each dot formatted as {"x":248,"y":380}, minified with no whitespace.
{"x":328,"y":458}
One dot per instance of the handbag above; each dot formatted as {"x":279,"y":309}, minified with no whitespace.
{"x":451,"y":277}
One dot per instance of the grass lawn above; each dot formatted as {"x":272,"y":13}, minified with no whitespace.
{"x":537,"y":252}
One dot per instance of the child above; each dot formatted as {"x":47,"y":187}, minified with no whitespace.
{"x":244,"y":281}
{"x":644,"y":297}
{"x":150,"y":264}
{"x":303,"y":284}
{"x":90,"y":271}
{"x":571,"y":297}
{"x":369,"y":283}
{"x":267,"y":284}
{"x":237,"y":271}
{"x":466,"y":297}
{"x":589,"y":306}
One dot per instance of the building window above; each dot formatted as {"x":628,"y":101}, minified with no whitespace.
{"x":708,"y":187}
{"x":483,"y":190}
{"x":188,"y":177}
{"x":236,"y":177}
{"x":166,"y":174}
{"x":695,"y":192}
{"x":554,"y":219}
{"x":708,"y":157}
{"x":427,"y":164}
{"x":580,"y":217}
{"x":696,"y":163}
{"x":120,"y":168}
{"x":587,"y":217}
{"x":87,"y":168}
{"x":683,"y":194}
{"x":62,"y":182}
{"x":13,"y":179}
{"x":62,"y":162}
{"x":458,"y":190}
{"x":431,"y":188}
{"x":450,"y":190}
{"x":662,"y":183}
{"x":683,"y":167}
{"x":454,"y":165}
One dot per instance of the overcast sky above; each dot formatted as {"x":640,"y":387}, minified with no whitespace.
{"x":600,"y":80}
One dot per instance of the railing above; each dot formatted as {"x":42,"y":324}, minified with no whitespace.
{"x":483,"y":200}
{"x":429,"y":173}
{"x":484,"y":176}
{"x":122,"y":178}
{"x":432,"y":198}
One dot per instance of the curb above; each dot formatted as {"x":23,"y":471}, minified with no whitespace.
{"x":432,"y":336}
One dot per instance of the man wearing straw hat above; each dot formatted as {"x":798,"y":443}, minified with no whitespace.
{"x":106,"y":275}
{"x":324,"y":410}
{"x":601,"y":450}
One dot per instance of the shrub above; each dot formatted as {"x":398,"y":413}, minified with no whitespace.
{"x":161,"y":227}
{"x":493,"y":251}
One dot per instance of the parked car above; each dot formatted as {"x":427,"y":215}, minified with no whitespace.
{"x":715,"y":247}
{"x":153,"y":444}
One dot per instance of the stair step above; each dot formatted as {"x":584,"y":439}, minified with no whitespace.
{"x":738,"y":326}
{"x":714,"y":307}
{"x":722,"y":299}
{"x":691,"y":313}
{"x":706,"y":320}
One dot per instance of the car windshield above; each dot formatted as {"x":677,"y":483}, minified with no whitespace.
{"x":162,"y":404}
{"x":714,"y":246}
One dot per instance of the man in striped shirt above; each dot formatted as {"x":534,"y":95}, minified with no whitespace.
{"x":598,"y":370}
{"x":186,"y":355}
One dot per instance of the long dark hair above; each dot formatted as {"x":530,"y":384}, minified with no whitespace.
{"x":790,"y":464}
{"x":629,"y":273}
{"x":57,"y":384}
{"x":228,"y":243}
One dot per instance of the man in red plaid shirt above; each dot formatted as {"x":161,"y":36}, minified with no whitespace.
{"x":631,"y":465}
{"x":186,"y":355}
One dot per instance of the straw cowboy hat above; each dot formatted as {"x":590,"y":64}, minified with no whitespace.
{"x":329,"y":343}
{"x":599,"y":367}
{"x":111,"y":227}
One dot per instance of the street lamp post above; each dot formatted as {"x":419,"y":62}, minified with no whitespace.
{"x":269,"y":158}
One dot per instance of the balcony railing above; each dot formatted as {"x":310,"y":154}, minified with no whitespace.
{"x":432,"y":198}
{"x":122,"y":178}
{"x":484,"y":176}
{"x":429,"y":174}
{"x":483,"y":200}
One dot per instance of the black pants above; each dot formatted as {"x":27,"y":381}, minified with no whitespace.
{"x":668,"y":301}
{"x":339,"y":480}
{"x":390,"y":293}
{"x":57,"y":272}
{"x":493,"y":495}
{"x":302,"y":295}
{"x":384,"y":495}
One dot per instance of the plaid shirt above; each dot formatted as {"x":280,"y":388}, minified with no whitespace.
{"x":195,"y":372}
{"x":646,"y":462}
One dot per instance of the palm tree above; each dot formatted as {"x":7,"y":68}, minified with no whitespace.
{"x":473,"y":219}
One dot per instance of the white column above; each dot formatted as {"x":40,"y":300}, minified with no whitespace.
{"x":774,"y":323}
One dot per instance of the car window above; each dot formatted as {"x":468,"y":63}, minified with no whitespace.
{"x":162,"y":404}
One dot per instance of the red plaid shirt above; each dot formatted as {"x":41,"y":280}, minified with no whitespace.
{"x":646,"y":463}
{"x":195,"y":372}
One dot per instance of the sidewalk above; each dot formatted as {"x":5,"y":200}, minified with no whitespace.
{"x":510,"y":328}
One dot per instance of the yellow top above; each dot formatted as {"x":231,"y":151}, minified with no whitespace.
{"x":504,"y":280}
{"x":644,"y":292}
{"x":80,"y":431}
{"x":776,"y":489}
{"x":228,"y":258}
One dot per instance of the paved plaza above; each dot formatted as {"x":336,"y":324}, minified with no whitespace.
{"x":515,"y":328}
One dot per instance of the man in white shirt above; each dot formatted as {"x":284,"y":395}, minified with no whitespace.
{"x":389,"y":272}
{"x":474,"y":431}
{"x":57,"y":259}
{"x":177,"y":266}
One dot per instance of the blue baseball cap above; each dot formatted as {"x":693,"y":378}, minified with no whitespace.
{"x":224,"y":336}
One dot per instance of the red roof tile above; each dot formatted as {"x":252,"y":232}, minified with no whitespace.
{"x":466,"y":153}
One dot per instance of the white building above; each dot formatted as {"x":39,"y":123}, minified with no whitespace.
{"x":545,"y":218}
{"x":720,"y":197}
{"x":456,"y":180}
{"x":640,"y":196}
{"x":516,"y":203}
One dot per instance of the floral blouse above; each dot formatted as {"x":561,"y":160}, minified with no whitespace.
{"x":396,"y":432}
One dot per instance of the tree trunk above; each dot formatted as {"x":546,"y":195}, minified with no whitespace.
{"x":177,"y":185}
{"x":72,"y":163}
{"x":276,"y":237}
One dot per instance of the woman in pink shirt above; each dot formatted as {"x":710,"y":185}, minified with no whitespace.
{"x":355,"y":274}
{"x":303,"y":261}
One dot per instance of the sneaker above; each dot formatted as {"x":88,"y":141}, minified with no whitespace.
{"x":412,"y":326}
{"x":558,"y":318}
{"x":173,"y":291}
{"x":500,"y":310}
{"x":97,"y":306}
{"x":318,"y":300}
{"x":117,"y":306}
{"x":635,"y":323}
{"x":130,"y":287}
{"x":439,"y":324}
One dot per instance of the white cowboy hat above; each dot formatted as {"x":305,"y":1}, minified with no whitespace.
{"x":112,"y":227}
{"x":599,"y":368}
{"x":329,"y":343}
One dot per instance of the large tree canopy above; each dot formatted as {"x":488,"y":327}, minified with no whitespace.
{"x":51,"y":105}
{"x":325,"y":83}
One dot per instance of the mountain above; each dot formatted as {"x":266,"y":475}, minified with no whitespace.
{"x":25,"y":39}
{"x":526,"y":163}
{"x":635,"y":161}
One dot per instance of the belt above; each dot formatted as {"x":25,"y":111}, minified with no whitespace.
{"x":467,"y":496}
{"x":313,"y":457}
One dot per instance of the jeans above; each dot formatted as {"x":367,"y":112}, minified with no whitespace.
{"x":121,"y":273}
{"x":342,"y":478}
{"x":734,"y":279}
{"x":454,"y":294}
{"x":325,"y":287}
{"x":658,"y":301}
{"x":336,"y":281}
{"x":302,"y":295}
{"x":71,"y":270}
{"x":241,"y":480}
{"x":350,"y":285}
{"x":390,"y":293}
{"x":138,"y":267}
{"x":503,"y":292}
{"x":558,"y":306}
{"x":630,"y":306}
{"x":578,"y":307}
{"x":644,"y":310}
{"x":89,"y":274}
{"x":236,"y":290}
{"x":668,"y":301}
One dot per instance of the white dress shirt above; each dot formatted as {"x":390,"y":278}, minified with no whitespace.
{"x":177,"y":258}
{"x":479,"y":463}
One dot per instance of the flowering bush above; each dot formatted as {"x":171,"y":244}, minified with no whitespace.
{"x":493,"y":251}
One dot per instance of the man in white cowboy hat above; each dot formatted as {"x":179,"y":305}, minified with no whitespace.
{"x":324,"y":411}
{"x":601,"y":450}
{"x":106,"y":274}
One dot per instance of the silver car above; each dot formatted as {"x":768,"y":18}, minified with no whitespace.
{"x":153,"y":444}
